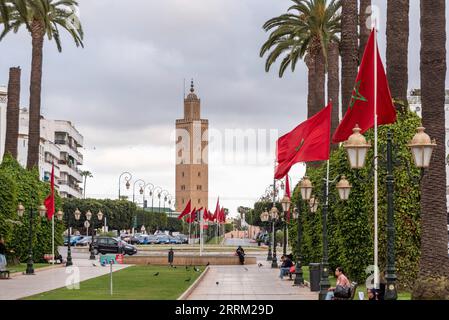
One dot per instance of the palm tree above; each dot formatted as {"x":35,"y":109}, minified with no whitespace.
{"x":307,"y":33}
{"x":365,"y":30}
{"x":333,"y":84}
{"x":12,"y":114}
{"x":349,"y":49}
{"x":41,"y":18}
{"x":397,"y":49}
{"x":434,"y":238}
{"x":85,"y":174}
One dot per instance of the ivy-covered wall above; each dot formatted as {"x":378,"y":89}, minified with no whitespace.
{"x":18,"y":185}
{"x":351,"y":224}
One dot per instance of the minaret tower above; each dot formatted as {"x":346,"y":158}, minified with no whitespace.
{"x":192,"y":175}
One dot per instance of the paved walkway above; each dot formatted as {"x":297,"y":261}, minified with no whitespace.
{"x":249,"y":282}
{"x":24,"y":286}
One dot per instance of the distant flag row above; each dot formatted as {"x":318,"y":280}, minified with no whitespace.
{"x":218,"y":216}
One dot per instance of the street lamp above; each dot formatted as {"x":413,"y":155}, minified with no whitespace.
{"x":274,"y":216}
{"x":285,"y":202}
{"x":20,"y":212}
{"x":157,"y":191}
{"x":140,"y":190}
{"x":421,"y":148}
{"x":313,"y":204}
{"x":100,"y":219}
{"x":306,"y":189}
{"x":265,"y":217}
{"x":357,"y":148}
{"x":128,"y":177}
{"x":299,"y":278}
{"x":150,"y":193}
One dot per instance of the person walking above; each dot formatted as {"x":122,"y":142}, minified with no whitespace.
{"x":3,"y":262}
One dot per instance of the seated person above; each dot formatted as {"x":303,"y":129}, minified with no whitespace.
{"x":285,"y":266}
{"x":342,"y":280}
{"x":372,"y":295}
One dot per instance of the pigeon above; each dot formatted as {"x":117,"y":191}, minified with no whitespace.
{"x":156,"y":274}
{"x":187,"y":268}
{"x":208,"y":264}
{"x":187,"y":280}
{"x":217,"y":283}
{"x":260,"y":265}
{"x":94,"y":265}
{"x":196,"y":269}
{"x":246,"y":269}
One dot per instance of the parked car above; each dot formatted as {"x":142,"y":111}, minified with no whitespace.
{"x":148,"y":239}
{"x":163,"y":239}
{"x":174,"y":240}
{"x":105,"y":245}
{"x":85,"y":241}
{"x":73,"y":240}
{"x":130,"y":238}
{"x":183,"y":238}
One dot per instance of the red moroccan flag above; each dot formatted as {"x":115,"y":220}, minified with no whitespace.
{"x":50,"y":200}
{"x":217,"y":210}
{"x":192,"y":216}
{"x":222,"y":216}
{"x":361,"y":107}
{"x":186,"y":210}
{"x":310,"y":141}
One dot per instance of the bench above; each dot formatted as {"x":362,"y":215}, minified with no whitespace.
{"x":352,"y":291}
{"x":4,"y":274}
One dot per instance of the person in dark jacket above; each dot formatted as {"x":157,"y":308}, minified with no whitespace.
{"x":241,"y":253}
{"x":285,"y":266}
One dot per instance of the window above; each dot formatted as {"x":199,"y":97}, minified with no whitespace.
{"x":199,"y":174}
{"x":183,"y":201}
{"x":198,"y":187}
{"x":199,"y":200}
{"x":183,"y":174}
{"x":183,"y":187}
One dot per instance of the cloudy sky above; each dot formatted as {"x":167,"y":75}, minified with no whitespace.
{"x":124,"y":90}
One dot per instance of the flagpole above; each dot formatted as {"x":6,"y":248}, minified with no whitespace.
{"x":376,"y":237}
{"x":53,"y":237}
{"x":201,"y":234}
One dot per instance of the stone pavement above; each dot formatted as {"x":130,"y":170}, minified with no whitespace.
{"x":24,"y":286}
{"x":248,"y":283}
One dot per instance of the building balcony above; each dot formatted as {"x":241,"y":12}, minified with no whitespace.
{"x":73,"y":172}
{"x":65,"y":188}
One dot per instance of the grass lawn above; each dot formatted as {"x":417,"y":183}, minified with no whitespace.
{"x":360,"y":288}
{"x":133,"y":283}
{"x":23,"y":266}
{"x":215,"y":240}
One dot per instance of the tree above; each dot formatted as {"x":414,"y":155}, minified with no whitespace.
{"x":13,"y":111}
{"x":349,"y":49}
{"x":85,"y":174}
{"x":333,"y":84}
{"x":306,"y":33}
{"x":397,"y":49}
{"x":41,"y":18}
{"x":434,"y":259}
{"x":365,"y":29}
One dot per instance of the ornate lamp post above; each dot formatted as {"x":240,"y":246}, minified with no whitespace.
{"x":150,"y":187}
{"x":140,"y":189}
{"x":92,"y":250}
{"x":77,"y":215}
{"x":421,"y":148}
{"x":274,"y":216}
{"x":265,"y":217}
{"x":158,"y":191}
{"x":128,"y":176}
{"x":20,"y":212}
{"x":344,"y":189}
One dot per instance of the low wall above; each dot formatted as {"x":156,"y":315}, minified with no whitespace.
{"x":187,"y":260}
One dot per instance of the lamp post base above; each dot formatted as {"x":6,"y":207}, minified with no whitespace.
{"x":299,"y":277}
{"x":30,"y":269}
{"x":391,"y":292}
{"x":274,"y":263}
{"x":324,"y":282}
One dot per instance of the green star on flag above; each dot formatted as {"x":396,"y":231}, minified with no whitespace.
{"x":356,"y":95}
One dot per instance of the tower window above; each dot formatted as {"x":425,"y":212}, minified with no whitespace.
{"x":182,"y":200}
{"x":183,"y":187}
{"x":199,"y":200}
{"x":183,"y":174}
{"x":198,"y":187}
{"x":199,"y":174}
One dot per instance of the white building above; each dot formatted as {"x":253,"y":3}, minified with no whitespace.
{"x":414,"y":100}
{"x":59,"y":145}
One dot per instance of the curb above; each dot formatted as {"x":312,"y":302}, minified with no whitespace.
{"x":189,"y":291}
{"x":16,"y":274}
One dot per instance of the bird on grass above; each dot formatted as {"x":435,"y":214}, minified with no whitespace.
{"x":196,"y":269}
{"x":156,"y":274}
{"x":187,"y":280}
{"x":187,"y":268}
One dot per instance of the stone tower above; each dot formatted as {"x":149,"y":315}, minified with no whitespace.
{"x":192,"y":174}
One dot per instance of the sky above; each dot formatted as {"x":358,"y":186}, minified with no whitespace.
{"x":125,"y":89}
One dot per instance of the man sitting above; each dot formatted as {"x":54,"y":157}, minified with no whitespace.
{"x":285,"y":266}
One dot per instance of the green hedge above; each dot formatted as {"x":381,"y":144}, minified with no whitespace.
{"x":20,"y":185}
{"x":351,"y":224}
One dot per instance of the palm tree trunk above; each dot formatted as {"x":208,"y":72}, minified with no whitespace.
{"x":12,"y":114}
{"x":37,"y":34}
{"x":397,"y":49}
{"x":333,"y":84}
{"x":320,"y":85}
{"x":349,"y":49}
{"x":365,"y":29}
{"x":311,"y":86}
{"x":434,"y":237}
